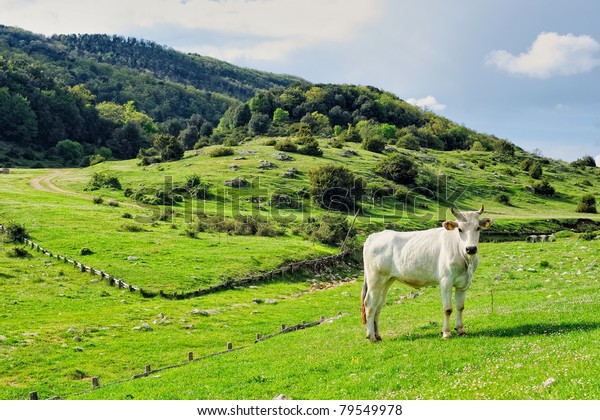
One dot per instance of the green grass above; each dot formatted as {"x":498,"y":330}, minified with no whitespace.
{"x":543,"y":325}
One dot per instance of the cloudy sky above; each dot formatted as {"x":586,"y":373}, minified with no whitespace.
{"x":524,"y":70}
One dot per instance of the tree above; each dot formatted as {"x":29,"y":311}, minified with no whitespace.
{"x":543,"y":187}
{"x":189,"y":136}
{"x":281,"y":116}
{"x":168,"y":147}
{"x":69,"y":151}
{"x":127,"y":140}
{"x":335,"y":187}
{"x":259,"y":124}
{"x":18,"y":122}
{"x":373,"y":144}
{"x":398,"y":168}
{"x":262,"y":104}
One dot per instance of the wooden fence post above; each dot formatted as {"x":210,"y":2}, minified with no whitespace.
{"x":229,"y":345}
{"x":95,"y":382}
{"x":190,"y":356}
{"x":282,"y":327}
{"x":33,"y":395}
{"x":148,"y":369}
{"x":258,"y":336}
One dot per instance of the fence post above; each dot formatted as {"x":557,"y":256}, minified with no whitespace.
{"x":95,"y":382}
{"x":148,"y":369}
{"x":33,"y":395}
{"x":190,"y":356}
{"x":229,"y":345}
{"x":258,"y":336}
{"x":282,"y":327}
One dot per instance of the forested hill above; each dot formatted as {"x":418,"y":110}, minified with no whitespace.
{"x":108,"y":91}
{"x":165,"y":63}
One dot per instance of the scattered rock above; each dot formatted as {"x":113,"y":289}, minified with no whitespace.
{"x":144,"y":327}
{"x":204,"y":312}
{"x":2,"y":337}
{"x":190,"y":327}
{"x":257,"y":301}
{"x":78,"y":349}
{"x":234,"y":167}
{"x":132,"y":258}
{"x":345,"y":294}
{"x":282,"y":156}
{"x":77,"y":338}
{"x":281,"y":397}
{"x":270,"y":301}
{"x":348,"y":153}
{"x":104,"y":294}
{"x":240,"y":158}
{"x":72,"y":331}
{"x":549,"y":382}
{"x":265,"y":164}
{"x":236,"y":183}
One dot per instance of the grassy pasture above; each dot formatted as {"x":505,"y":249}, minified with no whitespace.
{"x":543,"y":325}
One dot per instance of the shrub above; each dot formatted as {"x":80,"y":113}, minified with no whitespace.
{"x":220,"y":151}
{"x":335,"y":187}
{"x":311,"y":149}
{"x":503,"y":199}
{"x":398,"y":168}
{"x":535,"y":170}
{"x":127,"y":227}
{"x":373,"y":144}
{"x":127,"y":216}
{"x":430,"y":183}
{"x":103,"y":179}
{"x":543,"y":187}
{"x":17,"y":252}
{"x":587,"y":183}
{"x":286,"y":145}
{"x":585,"y":162}
{"x":587,"y":204}
{"x":97,"y":200}
{"x":16,"y":232}
{"x":86,"y":251}
{"x":331,"y":229}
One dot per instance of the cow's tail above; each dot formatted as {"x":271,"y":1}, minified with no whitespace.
{"x":363,"y":310}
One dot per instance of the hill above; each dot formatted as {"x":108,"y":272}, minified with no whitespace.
{"x":75,"y":87}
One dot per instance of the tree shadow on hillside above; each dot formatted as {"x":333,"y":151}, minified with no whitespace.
{"x":516,"y":331}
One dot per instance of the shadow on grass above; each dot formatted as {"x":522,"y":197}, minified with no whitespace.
{"x":516,"y":331}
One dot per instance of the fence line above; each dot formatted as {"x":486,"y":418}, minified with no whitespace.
{"x":315,"y":265}
{"x":149,"y":371}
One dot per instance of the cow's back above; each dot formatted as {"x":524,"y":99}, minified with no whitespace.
{"x":411,"y":257}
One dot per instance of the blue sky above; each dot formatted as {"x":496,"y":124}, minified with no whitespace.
{"x":527,"y":70}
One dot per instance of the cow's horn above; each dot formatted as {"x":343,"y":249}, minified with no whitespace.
{"x":457,"y":214}
{"x":480,"y":210}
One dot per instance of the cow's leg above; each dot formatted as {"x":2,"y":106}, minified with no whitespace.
{"x":446,"y":289}
{"x":370,"y":307}
{"x":384,"y":291}
{"x":460,"y":306}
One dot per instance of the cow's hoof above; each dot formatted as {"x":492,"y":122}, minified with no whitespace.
{"x":377,"y":337}
{"x":374,"y":339}
{"x":446,"y":335}
{"x":461,"y":332}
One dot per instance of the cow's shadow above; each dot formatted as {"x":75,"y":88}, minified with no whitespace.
{"x":515,"y":331}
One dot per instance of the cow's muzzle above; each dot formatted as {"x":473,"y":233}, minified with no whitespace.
{"x":471,"y":250}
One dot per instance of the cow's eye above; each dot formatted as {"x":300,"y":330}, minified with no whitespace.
{"x":478,"y":228}
{"x":460,"y":230}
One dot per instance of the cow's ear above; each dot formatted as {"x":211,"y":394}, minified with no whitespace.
{"x":486,"y":223}
{"x":450,"y":225}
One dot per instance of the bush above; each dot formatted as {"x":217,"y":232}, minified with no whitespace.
{"x":535,"y":170}
{"x":543,"y":187}
{"x":585,"y":162}
{"x":587,"y":204}
{"x":17,"y":252}
{"x":331,"y":229}
{"x":97,"y":200}
{"x":335,"y":187}
{"x":373,"y":144}
{"x":103,"y":179}
{"x":503,"y":199}
{"x":311,"y":149}
{"x":398,"y":168}
{"x":16,"y":232}
{"x":221,"y":151}
{"x":286,"y":145}
{"x":132,"y":228}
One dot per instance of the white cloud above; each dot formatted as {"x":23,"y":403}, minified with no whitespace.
{"x":428,"y":102}
{"x":597,"y":159}
{"x":550,"y":55}
{"x":279,"y":26}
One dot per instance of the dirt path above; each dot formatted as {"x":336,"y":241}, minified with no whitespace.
{"x":45,"y":183}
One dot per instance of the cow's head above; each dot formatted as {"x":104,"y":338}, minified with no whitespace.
{"x":468,"y":226}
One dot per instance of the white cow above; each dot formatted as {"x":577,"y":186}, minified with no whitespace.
{"x":446,"y":256}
